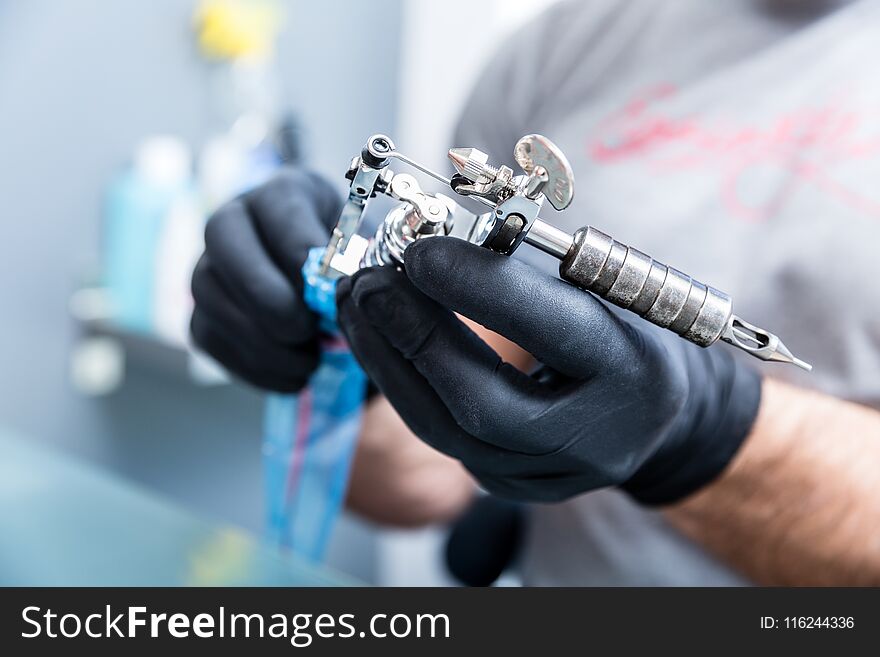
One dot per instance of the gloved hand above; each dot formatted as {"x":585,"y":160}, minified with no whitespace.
{"x":249,"y":312}
{"x":613,"y":403}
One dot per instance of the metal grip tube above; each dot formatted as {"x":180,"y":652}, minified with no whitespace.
{"x":633,"y":280}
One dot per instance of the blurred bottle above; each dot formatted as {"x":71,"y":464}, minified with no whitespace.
{"x":138,"y":203}
{"x":238,"y":38}
{"x":180,"y":244}
{"x":290,"y":139}
{"x":235,"y":161}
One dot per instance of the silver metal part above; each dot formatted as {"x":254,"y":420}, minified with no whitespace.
{"x":485,"y":181}
{"x":351,"y":260}
{"x":379,"y":147}
{"x":548,"y":169}
{"x":759,"y":343}
{"x":361,"y":189}
{"x":589,"y":259}
{"x":473,"y":164}
{"x":366,"y":177}
{"x":664,"y":296}
{"x":421,"y":216}
{"x":513,"y":219}
{"x":549,"y":239}
{"x":633,"y":280}
{"x":428,"y":213}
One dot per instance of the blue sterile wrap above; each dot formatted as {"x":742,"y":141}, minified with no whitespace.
{"x":310,"y":438}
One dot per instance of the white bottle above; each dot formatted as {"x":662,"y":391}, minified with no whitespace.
{"x":179,"y":246}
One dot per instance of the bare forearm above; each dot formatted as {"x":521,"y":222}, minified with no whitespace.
{"x":800,"y":504}
{"x":398,"y":480}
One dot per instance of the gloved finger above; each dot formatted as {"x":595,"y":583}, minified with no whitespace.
{"x":562,"y":326}
{"x":411,"y":395}
{"x":211,"y":295}
{"x":241,"y":260}
{"x":292,"y":213}
{"x":488,"y":398}
{"x":554,"y":488}
{"x":271,"y":368}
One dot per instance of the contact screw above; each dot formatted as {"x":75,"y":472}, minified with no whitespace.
{"x":473,"y":164}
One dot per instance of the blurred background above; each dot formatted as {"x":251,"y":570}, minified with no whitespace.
{"x":122,"y":124}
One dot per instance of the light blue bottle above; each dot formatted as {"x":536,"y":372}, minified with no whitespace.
{"x":138,"y":203}
{"x":310,"y":438}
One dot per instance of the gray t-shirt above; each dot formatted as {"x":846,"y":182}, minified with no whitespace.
{"x":738,"y":141}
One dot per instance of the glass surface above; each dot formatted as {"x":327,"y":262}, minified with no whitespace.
{"x":65,"y":523}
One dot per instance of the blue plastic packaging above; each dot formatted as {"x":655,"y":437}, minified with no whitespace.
{"x":310,"y":438}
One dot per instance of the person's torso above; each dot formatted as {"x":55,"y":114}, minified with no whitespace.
{"x":741,"y":146}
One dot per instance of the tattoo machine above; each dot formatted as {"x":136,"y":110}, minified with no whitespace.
{"x":589,"y":259}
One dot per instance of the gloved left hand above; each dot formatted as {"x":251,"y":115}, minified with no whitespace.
{"x":612,"y":404}
{"x":248,"y":287}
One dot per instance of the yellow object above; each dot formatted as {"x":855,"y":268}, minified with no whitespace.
{"x":224,"y":559}
{"x":235,"y":29}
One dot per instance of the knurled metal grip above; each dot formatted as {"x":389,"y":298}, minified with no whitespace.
{"x":633,"y":280}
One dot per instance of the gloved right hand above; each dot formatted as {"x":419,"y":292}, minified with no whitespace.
{"x":614,"y":403}
{"x":248,"y":288}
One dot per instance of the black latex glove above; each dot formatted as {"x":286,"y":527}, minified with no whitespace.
{"x":614,"y":403}
{"x":249,"y":312}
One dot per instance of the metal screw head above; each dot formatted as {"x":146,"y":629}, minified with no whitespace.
{"x":473,"y":164}
{"x":381,"y":144}
{"x":533,"y":152}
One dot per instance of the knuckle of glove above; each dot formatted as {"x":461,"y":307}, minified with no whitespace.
{"x":287,"y":183}
{"x":628,"y":346}
{"x":663,"y":373}
{"x":202,"y":336}
{"x":201,"y":281}
{"x":422,"y":264}
{"x":291,"y":323}
{"x":393,"y":306}
{"x":224,"y":225}
{"x":296,"y":193}
{"x":267,"y":368}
